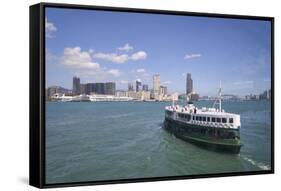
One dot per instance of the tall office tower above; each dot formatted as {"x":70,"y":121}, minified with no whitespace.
{"x":76,"y":85}
{"x":145,"y":87}
{"x":189,"y":84}
{"x":130,"y":87}
{"x":138,"y":85}
{"x":156,"y":84}
{"x":110,"y":88}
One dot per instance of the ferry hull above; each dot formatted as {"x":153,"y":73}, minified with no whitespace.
{"x":183,"y":131}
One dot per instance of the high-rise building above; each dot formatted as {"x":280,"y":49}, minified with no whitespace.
{"x":76,"y":85}
{"x":130,"y":87}
{"x":156,"y":84}
{"x":138,"y":85}
{"x":90,"y":88}
{"x":189,"y":84}
{"x":107,"y":88}
{"x":163,"y":90}
{"x":99,"y":88}
{"x":110,"y":88}
{"x":145,"y":87}
{"x":82,"y":88}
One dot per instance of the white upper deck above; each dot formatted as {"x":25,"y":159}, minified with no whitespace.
{"x":205,"y":116}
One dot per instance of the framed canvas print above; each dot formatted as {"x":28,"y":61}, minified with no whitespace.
{"x":123,"y":95}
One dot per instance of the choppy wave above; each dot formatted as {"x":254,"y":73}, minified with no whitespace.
{"x":255,"y":163}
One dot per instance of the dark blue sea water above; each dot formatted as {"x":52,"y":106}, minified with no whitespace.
{"x":120,"y":140}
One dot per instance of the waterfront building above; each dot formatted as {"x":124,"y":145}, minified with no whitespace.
{"x":56,"y":90}
{"x":143,"y":95}
{"x":121,"y":93}
{"x":82,"y":88}
{"x":109,"y":88}
{"x":163,"y":90}
{"x":189,"y":84}
{"x":100,"y":88}
{"x":76,"y":85}
{"x":194,"y":96}
{"x":145,"y":87}
{"x":132,"y":94}
{"x":130,"y":87}
{"x":90,"y":88}
{"x":138,"y":85}
{"x":156,"y":85}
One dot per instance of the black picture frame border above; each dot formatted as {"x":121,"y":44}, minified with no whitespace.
{"x":37,"y":144}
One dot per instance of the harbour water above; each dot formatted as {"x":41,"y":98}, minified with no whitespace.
{"x":91,"y":141}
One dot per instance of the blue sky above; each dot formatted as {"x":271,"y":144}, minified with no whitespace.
{"x":100,"y":46}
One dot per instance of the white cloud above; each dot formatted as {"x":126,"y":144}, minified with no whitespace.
{"x":120,"y":58}
{"x":126,"y":48}
{"x":114,"y":72}
{"x":75,"y":58}
{"x":91,"y":51}
{"x":141,"y":55}
{"x":190,"y":56}
{"x":113,"y":57}
{"x":141,"y":70}
{"x":50,"y":28}
{"x":167,"y":82}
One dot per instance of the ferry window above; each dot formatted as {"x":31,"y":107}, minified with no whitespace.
{"x":230,"y":120}
{"x":208,"y":119}
{"x":193,"y":117}
{"x":200,"y":118}
{"x":204,"y":118}
{"x":213,"y":119}
{"x":218,"y":120}
{"x":197,"y":118}
{"x":223,"y":120}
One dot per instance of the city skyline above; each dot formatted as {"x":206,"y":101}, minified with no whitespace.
{"x":236,"y":52}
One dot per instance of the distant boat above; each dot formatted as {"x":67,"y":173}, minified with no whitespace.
{"x":209,"y":127}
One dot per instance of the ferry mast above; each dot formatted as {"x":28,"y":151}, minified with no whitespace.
{"x":218,"y":100}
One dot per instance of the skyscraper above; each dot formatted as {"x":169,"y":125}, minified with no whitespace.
{"x":145,"y":87}
{"x":138,"y":85}
{"x":82,"y":88}
{"x":130,"y":87}
{"x":156,"y":84}
{"x":163,"y":90}
{"x":189,"y":84}
{"x":76,"y":85}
